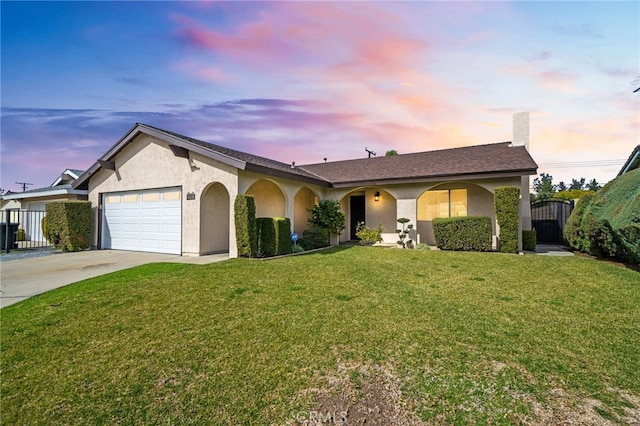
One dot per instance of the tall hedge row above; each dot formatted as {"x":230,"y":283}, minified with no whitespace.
{"x":266,"y":237}
{"x":245,"y":219}
{"x":274,"y":236}
{"x":283,"y":235}
{"x":507,"y":206}
{"x":68,"y":225}
{"x":471,"y":233}
{"x":608,"y":224}
{"x":574,"y":230}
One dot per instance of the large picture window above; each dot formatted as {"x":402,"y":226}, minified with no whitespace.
{"x":442,"y":203}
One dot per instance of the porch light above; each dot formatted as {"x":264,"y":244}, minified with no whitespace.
{"x":376,"y":196}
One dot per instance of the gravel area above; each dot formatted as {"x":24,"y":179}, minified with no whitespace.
{"x":27,"y":254}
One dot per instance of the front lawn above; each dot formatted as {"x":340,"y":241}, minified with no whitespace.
{"x":393,"y":336}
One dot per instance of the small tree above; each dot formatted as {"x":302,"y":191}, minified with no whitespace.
{"x":544,"y":187}
{"x":327,"y":215}
{"x":593,"y":185}
{"x":391,"y":153}
{"x":404,"y":232}
{"x":577,"y":184}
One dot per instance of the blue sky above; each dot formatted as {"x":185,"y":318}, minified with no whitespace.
{"x":300,"y":81}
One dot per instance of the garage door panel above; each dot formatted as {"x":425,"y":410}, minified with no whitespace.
{"x":143,"y":221}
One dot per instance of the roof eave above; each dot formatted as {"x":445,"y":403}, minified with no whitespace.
{"x":250,"y":167}
{"x":45,"y":193}
{"x":436,"y":178}
{"x":170,"y":139}
{"x":632,"y":163}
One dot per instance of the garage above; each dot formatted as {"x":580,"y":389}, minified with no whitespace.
{"x":149,"y":220}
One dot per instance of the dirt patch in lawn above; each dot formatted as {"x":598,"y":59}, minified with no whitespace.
{"x":564,"y":411}
{"x":358,"y":394}
{"x":367,"y":394}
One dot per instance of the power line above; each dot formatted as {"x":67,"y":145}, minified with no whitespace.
{"x":592,"y":163}
{"x":24,"y":185}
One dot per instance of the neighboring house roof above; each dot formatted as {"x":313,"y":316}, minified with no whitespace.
{"x":501,"y":159}
{"x":45,"y":192}
{"x":466,"y":162}
{"x":633,"y":162}
{"x":68,"y":176}
{"x":61,"y":186}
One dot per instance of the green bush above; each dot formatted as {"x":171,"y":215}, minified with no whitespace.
{"x":69,"y":224}
{"x":574,"y":231}
{"x":314,"y":238}
{"x":368,"y":236}
{"x":21,"y":235}
{"x":507,"y":206}
{"x":283,"y":235}
{"x":611,"y":222}
{"x":607,"y":224}
{"x":529,"y":239}
{"x":245,"y":219}
{"x":45,"y":229}
{"x":327,"y":215}
{"x":471,"y":233}
{"x":266,"y":237}
{"x":297,"y":249}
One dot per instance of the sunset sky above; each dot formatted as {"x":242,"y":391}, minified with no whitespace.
{"x":301,"y":81}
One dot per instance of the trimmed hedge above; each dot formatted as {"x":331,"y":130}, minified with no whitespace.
{"x":608,"y":225}
{"x":314,"y":238}
{"x":266,"y":237}
{"x":244,"y":211}
{"x":529,"y":239}
{"x":471,"y":233}
{"x":574,"y":232}
{"x":284,"y":245}
{"x":507,"y":205}
{"x":69,"y":225}
{"x":274,"y":236}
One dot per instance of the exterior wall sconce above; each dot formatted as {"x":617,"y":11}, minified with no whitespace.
{"x":376,"y":196}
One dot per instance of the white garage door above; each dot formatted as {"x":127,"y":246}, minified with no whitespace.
{"x":148,"y":220}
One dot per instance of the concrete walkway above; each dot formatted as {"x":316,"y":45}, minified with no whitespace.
{"x":21,"y":279}
{"x":550,"y":250}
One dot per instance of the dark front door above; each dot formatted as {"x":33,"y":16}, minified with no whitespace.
{"x":357,"y":213}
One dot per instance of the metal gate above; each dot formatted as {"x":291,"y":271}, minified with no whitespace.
{"x":548,"y":218}
{"x":22,"y":229}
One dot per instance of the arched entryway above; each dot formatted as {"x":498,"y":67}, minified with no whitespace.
{"x":214,"y":219}
{"x":374,"y":206}
{"x":268,"y":197}
{"x":303,"y":201}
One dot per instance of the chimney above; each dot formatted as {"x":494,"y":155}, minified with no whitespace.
{"x":521,"y":129}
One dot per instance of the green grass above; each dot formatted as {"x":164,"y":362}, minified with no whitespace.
{"x":471,"y":338}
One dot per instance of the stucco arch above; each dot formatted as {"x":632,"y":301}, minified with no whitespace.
{"x":215,"y":211}
{"x":269,"y":198}
{"x":479,"y":203}
{"x":381,"y":212}
{"x":304,"y":199}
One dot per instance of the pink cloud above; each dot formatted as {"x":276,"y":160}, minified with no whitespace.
{"x":205,"y":72}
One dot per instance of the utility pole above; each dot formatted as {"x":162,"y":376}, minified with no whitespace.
{"x":24,"y":185}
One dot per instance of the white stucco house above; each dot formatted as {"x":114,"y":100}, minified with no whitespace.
{"x":159,"y":191}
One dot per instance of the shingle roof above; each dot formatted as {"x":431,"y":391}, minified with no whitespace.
{"x":262,"y":163}
{"x":471,"y":160}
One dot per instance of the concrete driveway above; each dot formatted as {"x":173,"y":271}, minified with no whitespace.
{"x":21,"y":279}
